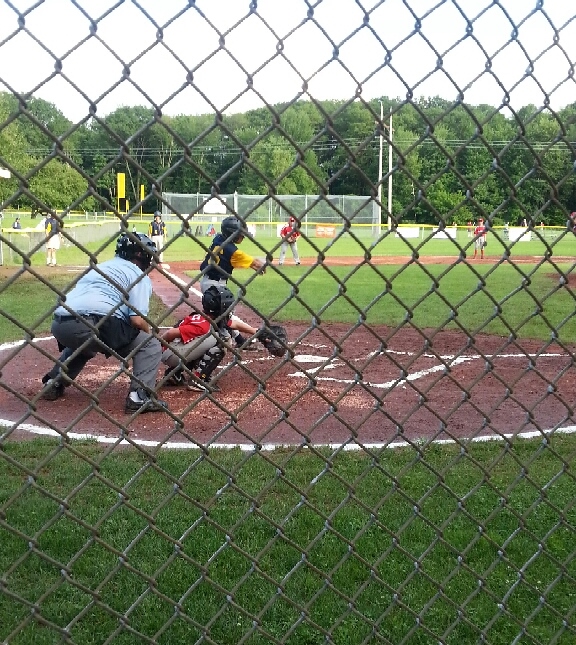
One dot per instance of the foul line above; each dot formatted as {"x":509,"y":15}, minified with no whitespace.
{"x":303,"y":358}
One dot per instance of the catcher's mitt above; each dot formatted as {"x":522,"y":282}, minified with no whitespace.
{"x":274,"y":339}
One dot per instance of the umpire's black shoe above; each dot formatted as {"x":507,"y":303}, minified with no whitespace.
{"x":53,"y":390}
{"x":145,"y":404}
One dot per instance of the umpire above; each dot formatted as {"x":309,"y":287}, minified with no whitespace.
{"x":104,"y":313}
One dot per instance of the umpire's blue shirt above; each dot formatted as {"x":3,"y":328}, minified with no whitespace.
{"x":100,"y":291}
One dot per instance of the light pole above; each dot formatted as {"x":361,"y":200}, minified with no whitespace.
{"x":390,"y":133}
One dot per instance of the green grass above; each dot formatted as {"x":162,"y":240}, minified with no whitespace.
{"x":527,"y":301}
{"x":26,"y":305}
{"x":350,"y":246}
{"x":309,"y":543}
{"x":523,"y":300}
{"x":224,"y":536}
{"x":554,"y":242}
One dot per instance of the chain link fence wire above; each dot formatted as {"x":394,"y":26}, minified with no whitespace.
{"x":408,"y":480}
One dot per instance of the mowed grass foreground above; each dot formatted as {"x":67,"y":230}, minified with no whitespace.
{"x":448,"y":544}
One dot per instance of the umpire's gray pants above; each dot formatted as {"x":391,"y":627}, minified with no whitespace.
{"x":81,"y":345}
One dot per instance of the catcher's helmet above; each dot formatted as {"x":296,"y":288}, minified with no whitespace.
{"x":136,"y":246}
{"x":217,"y":300}
{"x":233,"y":228}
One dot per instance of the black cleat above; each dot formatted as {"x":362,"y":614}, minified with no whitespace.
{"x":174,"y":377}
{"x":146,"y":404}
{"x":196,"y":384}
{"x":53,"y":389}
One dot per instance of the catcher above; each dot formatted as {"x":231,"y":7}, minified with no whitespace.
{"x":290,"y":235}
{"x":197,"y":345}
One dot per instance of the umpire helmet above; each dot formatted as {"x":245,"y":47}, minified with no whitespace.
{"x":217,"y":300}
{"x":233,"y":228}
{"x":136,"y":246}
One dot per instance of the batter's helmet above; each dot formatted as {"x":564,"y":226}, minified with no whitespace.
{"x":136,"y":246}
{"x":157,"y":214}
{"x":217,"y":300}
{"x":233,"y":228}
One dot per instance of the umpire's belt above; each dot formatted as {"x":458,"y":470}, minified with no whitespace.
{"x":92,"y":317}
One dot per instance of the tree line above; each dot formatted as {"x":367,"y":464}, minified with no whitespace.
{"x":450,"y":161}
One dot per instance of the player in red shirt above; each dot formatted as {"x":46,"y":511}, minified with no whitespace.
{"x":290,"y":235}
{"x":196,"y":348}
{"x":479,"y":239}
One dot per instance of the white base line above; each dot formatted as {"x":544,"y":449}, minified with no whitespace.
{"x":187,"y":445}
{"x":180,"y":445}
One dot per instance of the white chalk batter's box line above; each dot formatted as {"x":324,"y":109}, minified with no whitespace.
{"x":177,"y":445}
{"x":449,"y":360}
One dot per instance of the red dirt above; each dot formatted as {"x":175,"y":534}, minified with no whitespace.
{"x":340,"y":384}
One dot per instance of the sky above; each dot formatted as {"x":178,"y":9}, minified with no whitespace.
{"x":195,"y":57}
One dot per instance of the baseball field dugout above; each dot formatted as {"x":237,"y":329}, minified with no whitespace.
{"x":423,"y":489}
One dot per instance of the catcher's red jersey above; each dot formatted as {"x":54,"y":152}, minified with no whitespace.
{"x":193,"y":326}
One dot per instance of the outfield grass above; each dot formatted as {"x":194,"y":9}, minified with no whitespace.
{"x":26,"y":305}
{"x":522,"y":300}
{"x":184,"y":248}
{"x":529,"y":302}
{"x":348,"y":246}
{"x":482,"y":552}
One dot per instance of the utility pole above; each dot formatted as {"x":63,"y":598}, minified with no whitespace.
{"x":380,"y":166}
{"x":390,"y":135}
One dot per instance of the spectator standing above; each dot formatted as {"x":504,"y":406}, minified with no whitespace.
{"x":104,"y":313}
{"x":157,"y":232}
{"x":52,"y":230}
{"x":479,"y":239}
{"x":290,"y":235}
{"x":470,"y":229}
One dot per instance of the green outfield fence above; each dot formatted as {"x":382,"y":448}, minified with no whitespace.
{"x":409,"y":506}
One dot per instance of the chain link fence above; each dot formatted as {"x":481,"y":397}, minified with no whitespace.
{"x":403,"y":472}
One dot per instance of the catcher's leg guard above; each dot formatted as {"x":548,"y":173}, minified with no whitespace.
{"x":208,"y":363}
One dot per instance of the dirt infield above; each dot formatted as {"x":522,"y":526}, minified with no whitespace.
{"x":367,"y":385}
